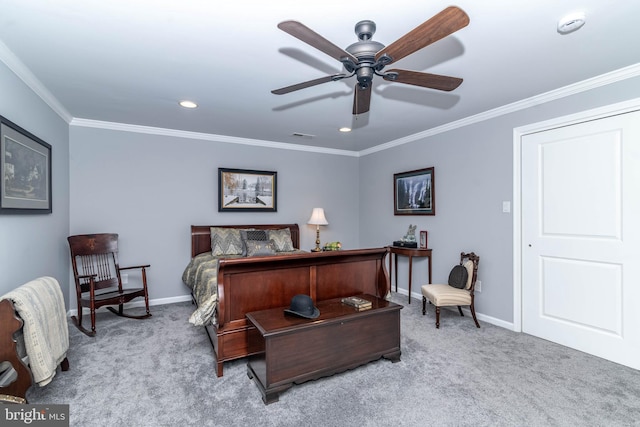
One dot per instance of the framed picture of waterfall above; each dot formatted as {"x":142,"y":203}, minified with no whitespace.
{"x":414,"y":192}
{"x":242,"y":190}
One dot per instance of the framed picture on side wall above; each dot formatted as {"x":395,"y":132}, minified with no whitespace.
{"x":242,"y":190}
{"x":25,"y":166}
{"x":414,"y":192}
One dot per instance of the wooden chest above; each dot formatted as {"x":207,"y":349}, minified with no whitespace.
{"x":294,"y":350}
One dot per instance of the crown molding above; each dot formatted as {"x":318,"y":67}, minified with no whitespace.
{"x":24,"y":74}
{"x":575,"y":88}
{"x":15,"y":65}
{"x":205,"y":136}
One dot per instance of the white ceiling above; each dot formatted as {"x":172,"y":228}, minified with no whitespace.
{"x":130,"y":62}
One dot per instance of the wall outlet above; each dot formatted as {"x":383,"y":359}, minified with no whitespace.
{"x":478,"y":287}
{"x":125,"y":279}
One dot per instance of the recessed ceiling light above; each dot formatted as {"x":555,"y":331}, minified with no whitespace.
{"x":188,"y":104}
{"x":571,"y":23}
{"x":345,"y":129}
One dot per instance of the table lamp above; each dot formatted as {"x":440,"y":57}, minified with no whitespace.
{"x":317,"y":219}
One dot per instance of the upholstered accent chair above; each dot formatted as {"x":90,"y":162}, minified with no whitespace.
{"x":447,"y":295}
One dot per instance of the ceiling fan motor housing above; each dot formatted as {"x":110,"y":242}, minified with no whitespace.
{"x":365,"y":51}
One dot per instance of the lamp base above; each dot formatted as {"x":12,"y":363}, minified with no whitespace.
{"x":317,"y":248}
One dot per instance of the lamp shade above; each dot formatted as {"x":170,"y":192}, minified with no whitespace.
{"x":317,"y":217}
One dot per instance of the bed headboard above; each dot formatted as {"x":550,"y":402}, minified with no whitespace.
{"x":201,"y":235}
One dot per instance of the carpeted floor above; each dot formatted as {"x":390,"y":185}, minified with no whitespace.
{"x":160,"y":372}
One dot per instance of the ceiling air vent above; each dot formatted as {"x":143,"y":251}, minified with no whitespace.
{"x":302,"y":135}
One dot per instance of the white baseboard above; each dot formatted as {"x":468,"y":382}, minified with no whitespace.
{"x":139,"y":302}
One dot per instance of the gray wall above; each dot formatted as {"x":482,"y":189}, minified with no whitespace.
{"x":34,"y":245}
{"x":473,"y":176}
{"x":151,"y":188}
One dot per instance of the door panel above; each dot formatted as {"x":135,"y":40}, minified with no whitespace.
{"x":581,"y":238}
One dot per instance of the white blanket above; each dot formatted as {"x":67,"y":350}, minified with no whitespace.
{"x":40,"y":304}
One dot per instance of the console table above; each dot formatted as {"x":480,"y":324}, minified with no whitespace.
{"x":293,"y":349}
{"x":411,"y":253}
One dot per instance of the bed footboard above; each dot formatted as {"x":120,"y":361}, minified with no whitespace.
{"x":253,"y":284}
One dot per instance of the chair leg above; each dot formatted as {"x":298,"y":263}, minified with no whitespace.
{"x":437,"y":317}
{"x":93,"y":319}
{"x":77,"y":320}
{"x":146,"y":303}
{"x":473,"y":313}
{"x":424,"y":305}
{"x":460,"y":311}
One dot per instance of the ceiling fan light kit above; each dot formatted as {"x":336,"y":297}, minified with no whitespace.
{"x":367,"y":58}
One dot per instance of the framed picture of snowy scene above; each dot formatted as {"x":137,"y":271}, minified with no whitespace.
{"x":414,"y":192}
{"x":241,"y":190}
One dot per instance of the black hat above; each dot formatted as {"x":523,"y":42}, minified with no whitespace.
{"x":302,"y":305}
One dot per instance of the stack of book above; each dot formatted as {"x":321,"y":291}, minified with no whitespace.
{"x":357,"y":302}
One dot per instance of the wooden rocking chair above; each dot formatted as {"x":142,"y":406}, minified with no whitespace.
{"x":98,"y":279}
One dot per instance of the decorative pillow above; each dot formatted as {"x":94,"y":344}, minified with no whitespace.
{"x":225,"y":241}
{"x":260,"y":247}
{"x":458,"y":277}
{"x":282,"y":239}
{"x":251,"y":234}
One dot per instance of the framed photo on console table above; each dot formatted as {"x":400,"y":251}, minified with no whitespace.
{"x":423,"y":239}
{"x":242,"y":190}
{"x":25,"y":166}
{"x":414,"y":192}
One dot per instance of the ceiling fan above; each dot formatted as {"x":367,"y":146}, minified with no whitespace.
{"x":366,"y":58}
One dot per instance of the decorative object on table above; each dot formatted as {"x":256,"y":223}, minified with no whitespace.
{"x":357,"y":302}
{"x":302,"y":305}
{"x":409,"y":239}
{"x":25,"y":168}
{"x":317,"y":219}
{"x":241,"y":190}
{"x":423,"y":239}
{"x":332,"y":246}
{"x":414,"y":192}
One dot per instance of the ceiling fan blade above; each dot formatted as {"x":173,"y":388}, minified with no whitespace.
{"x":331,"y":78}
{"x":361,"y":99}
{"x":307,"y":35}
{"x":441,"y":25}
{"x":432,"y":81}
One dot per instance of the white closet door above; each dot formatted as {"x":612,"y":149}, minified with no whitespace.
{"x":581,"y":237}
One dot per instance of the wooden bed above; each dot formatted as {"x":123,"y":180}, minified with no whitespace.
{"x":257,"y":283}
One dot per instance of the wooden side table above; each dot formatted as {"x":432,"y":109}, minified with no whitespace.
{"x":410,"y":252}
